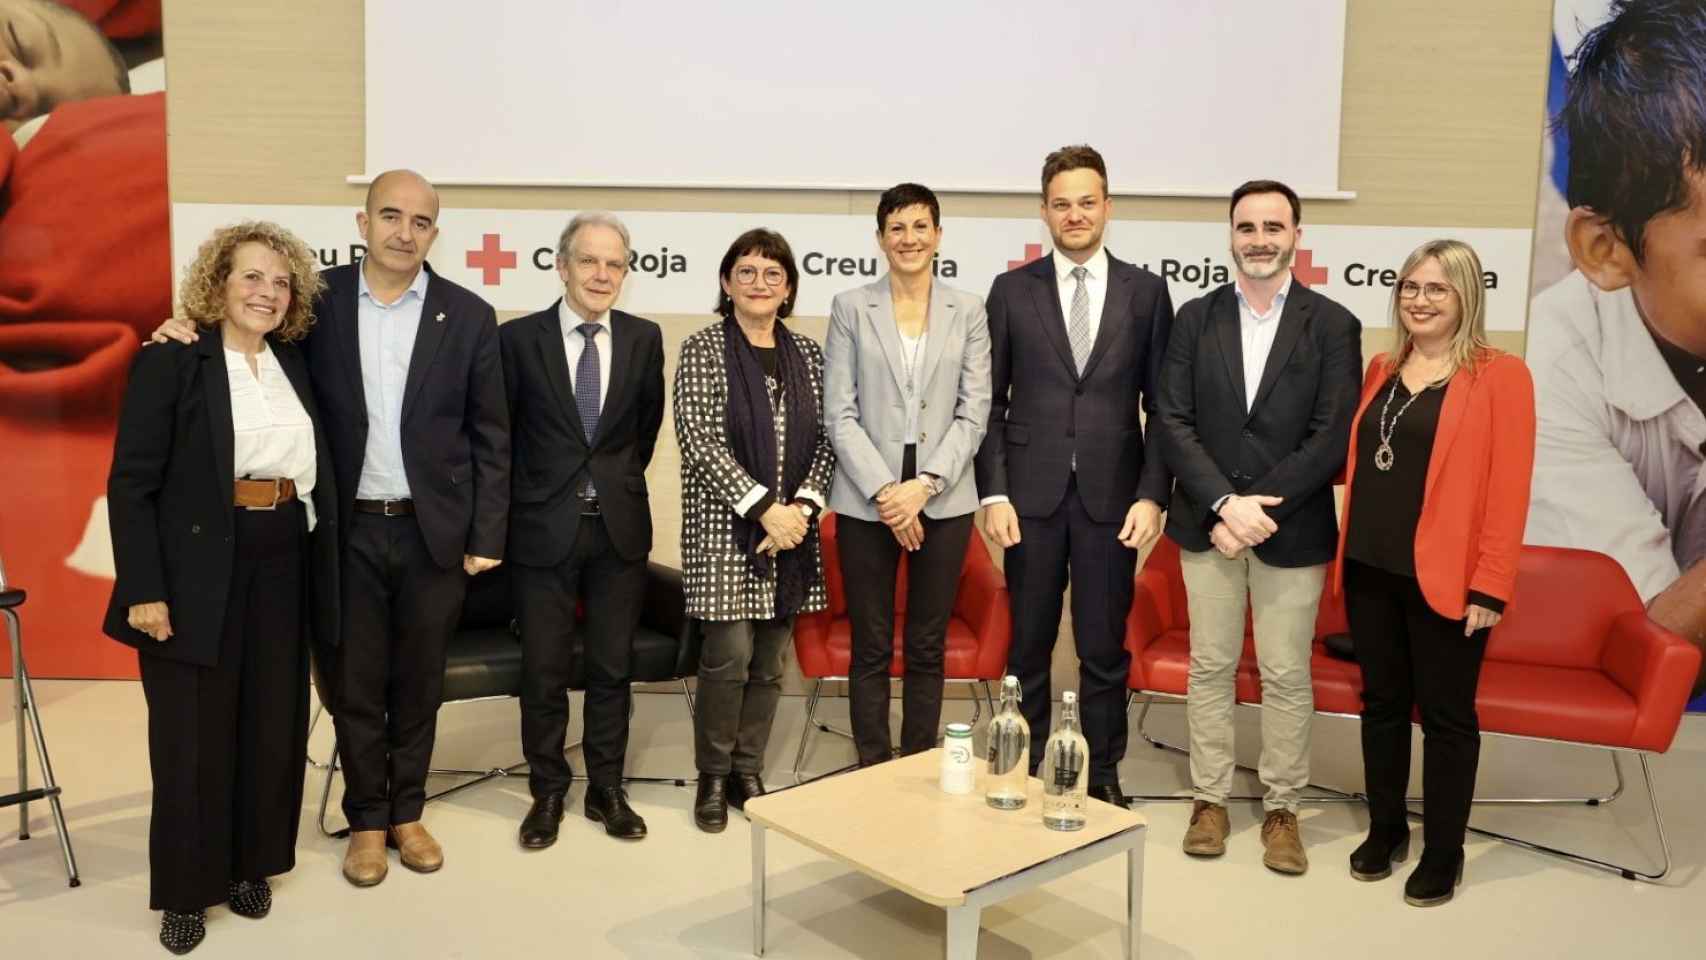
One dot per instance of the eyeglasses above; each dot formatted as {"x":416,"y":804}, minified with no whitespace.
{"x":1435,"y":292}
{"x":773,"y":276}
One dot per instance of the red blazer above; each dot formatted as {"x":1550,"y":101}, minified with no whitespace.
{"x":1475,"y":501}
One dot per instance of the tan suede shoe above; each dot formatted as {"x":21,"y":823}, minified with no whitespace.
{"x":1209,"y":828}
{"x":1284,"y":844}
{"x":365,"y":863}
{"x":415,"y":847}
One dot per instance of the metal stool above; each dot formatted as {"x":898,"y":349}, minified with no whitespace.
{"x":23,"y":698}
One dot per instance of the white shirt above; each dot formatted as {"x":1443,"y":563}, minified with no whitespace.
{"x":273,"y":436}
{"x":912,"y":360}
{"x":1257,"y":331}
{"x":1095,"y":284}
{"x":574,"y":343}
{"x":1617,"y":459}
{"x":386,"y":335}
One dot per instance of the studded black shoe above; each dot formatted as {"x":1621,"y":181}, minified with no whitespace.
{"x":251,"y":898}
{"x":182,"y":932}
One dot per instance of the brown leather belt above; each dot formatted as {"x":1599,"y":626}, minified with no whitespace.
{"x":263,"y":494}
{"x":386,"y":508}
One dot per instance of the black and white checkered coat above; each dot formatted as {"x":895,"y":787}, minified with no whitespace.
{"x":719,"y":581}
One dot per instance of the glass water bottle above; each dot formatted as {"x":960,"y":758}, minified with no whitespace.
{"x":1066,"y":770}
{"x":1009,"y":751}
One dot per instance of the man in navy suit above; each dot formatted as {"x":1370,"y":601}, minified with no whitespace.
{"x":1071,"y":486}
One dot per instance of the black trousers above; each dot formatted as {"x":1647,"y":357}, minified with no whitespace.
{"x":1413,"y":657}
{"x":399,"y":611}
{"x":1050,"y":548}
{"x":740,"y":685}
{"x":870,"y":559}
{"x":613,"y":590}
{"x":226,"y":742}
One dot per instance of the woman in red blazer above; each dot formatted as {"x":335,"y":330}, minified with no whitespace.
{"x":1436,"y":497}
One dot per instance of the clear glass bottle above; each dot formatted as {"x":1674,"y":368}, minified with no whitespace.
{"x":1009,"y":752}
{"x":1066,"y":770}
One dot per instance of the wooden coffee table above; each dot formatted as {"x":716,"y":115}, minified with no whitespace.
{"x":894,"y":823}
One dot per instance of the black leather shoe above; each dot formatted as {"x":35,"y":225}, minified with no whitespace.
{"x":743,"y":787}
{"x":250,"y":898}
{"x":1383,"y":847}
{"x":609,"y":806}
{"x":1110,"y":793}
{"x":539,"y":827}
{"x":1435,"y":879}
{"x":711,"y":803}
{"x":182,"y":932}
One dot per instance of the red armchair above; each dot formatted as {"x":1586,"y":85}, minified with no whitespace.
{"x":979,"y":632}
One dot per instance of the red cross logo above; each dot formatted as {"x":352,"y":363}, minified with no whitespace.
{"x":490,"y":259}
{"x":1305,"y":270}
{"x":1033,"y":251}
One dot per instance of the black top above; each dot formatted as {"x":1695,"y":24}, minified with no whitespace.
{"x":1689,"y":370}
{"x":767,"y":360}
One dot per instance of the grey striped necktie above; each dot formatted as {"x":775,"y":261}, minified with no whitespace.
{"x":1078,"y":326}
{"x":586,"y":391}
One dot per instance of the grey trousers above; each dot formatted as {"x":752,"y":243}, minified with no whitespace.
{"x":740,"y":683}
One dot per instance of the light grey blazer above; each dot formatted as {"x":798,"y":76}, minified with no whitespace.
{"x":864,"y":402}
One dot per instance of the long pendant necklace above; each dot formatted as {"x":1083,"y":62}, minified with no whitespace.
{"x":912,"y":361}
{"x":1383,"y":455}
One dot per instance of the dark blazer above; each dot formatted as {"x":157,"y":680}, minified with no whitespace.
{"x":455,"y":421}
{"x":169,"y":500}
{"x":1290,"y":444}
{"x":1043,"y":412}
{"x":551,"y":454}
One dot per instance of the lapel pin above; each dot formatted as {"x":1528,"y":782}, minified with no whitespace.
{"x":439,"y":318}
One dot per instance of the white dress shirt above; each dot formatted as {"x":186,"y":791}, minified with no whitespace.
{"x":386,"y":333}
{"x":273,"y":436}
{"x":1257,"y":331}
{"x":574,"y":343}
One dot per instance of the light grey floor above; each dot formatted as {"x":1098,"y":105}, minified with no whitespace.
{"x":681,"y":893}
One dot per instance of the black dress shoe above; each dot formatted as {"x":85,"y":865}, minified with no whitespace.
{"x":1435,"y":879}
{"x":182,"y":932}
{"x":711,"y":803}
{"x":609,"y":806}
{"x":539,"y":827}
{"x":250,"y":898}
{"x":1110,"y":793}
{"x":1383,"y":847}
{"x":743,"y":787}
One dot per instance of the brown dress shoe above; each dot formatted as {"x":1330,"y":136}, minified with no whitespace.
{"x":1284,"y":844}
{"x":415,"y":847}
{"x":1209,"y":827}
{"x":365,"y":863}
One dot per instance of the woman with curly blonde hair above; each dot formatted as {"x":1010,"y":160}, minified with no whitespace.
{"x":221,"y":514}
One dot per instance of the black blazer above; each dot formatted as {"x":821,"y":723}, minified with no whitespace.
{"x":1290,"y":444}
{"x":550,"y":449}
{"x":169,"y":500}
{"x":1043,"y":412}
{"x":455,"y":422}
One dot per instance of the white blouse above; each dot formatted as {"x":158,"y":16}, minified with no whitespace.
{"x":274,"y":437}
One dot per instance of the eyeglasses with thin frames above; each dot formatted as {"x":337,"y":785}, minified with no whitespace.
{"x":1435,"y":292}
{"x":746,"y":276}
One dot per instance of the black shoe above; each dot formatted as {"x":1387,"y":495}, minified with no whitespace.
{"x":182,"y":932}
{"x":743,"y":787}
{"x":711,"y":803}
{"x":1435,"y":878}
{"x":1383,"y":847}
{"x":609,"y":806}
{"x":539,"y":827}
{"x":250,"y":898}
{"x":1110,"y":793}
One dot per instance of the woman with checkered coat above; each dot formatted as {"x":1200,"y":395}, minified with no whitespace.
{"x":756,"y":468}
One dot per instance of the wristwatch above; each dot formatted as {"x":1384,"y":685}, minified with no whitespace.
{"x":933,"y":483}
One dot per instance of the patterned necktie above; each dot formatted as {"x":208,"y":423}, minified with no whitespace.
{"x":1078,"y":327}
{"x":586,"y":388}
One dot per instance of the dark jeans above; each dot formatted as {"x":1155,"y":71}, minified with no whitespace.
{"x":1413,"y":657}
{"x":870,"y":559}
{"x":740,"y":682}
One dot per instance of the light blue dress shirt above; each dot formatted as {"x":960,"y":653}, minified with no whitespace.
{"x":387,"y":336}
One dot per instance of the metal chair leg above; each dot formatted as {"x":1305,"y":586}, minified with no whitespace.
{"x":26,"y":698}
{"x":18,"y":724}
{"x":806,"y":730}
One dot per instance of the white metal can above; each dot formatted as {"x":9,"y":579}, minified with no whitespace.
{"x":959,"y":761}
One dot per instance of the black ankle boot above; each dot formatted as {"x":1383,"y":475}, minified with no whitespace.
{"x":1435,"y":878}
{"x":1383,"y":847}
{"x":250,"y":898}
{"x":711,"y":804}
{"x":181,"y":932}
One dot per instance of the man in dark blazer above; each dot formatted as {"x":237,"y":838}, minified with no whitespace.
{"x":1257,"y":396}
{"x":1067,"y":479}
{"x":585,"y":386}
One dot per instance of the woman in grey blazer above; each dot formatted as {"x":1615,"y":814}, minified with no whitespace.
{"x":906,"y":399}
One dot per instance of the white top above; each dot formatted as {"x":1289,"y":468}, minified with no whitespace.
{"x":1095,"y":284}
{"x":911,"y":360}
{"x":1618,"y":449}
{"x":273,"y":436}
{"x":1257,"y":331}
{"x":574,"y":343}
